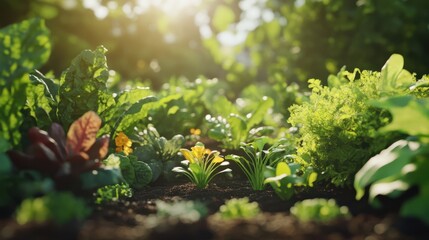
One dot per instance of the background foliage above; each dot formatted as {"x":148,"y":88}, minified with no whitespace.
{"x":239,"y":41}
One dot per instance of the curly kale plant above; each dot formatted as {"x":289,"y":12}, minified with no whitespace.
{"x":318,"y":209}
{"x":338,"y":125}
{"x":239,"y":208}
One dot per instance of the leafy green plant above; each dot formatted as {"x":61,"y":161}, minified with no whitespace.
{"x":158,"y":152}
{"x":201,"y":165}
{"x":338,"y":126}
{"x":253,"y":164}
{"x":238,"y":208}
{"x":24,"y":47}
{"x":404,"y":164}
{"x":184,"y":211}
{"x":286,"y":176}
{"x":57,"y":207}
{"x":136,"y":173}
{"x":319,"y":209}
{"x":69,"y":160}
{"x":113,"y":193}
{"x":230,"y":127}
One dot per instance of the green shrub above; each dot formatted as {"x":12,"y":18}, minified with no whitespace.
{"x":318,"y":209}
{"x":113,"y":193}
{"x":239,"y":208}
{"x":338,"y":125}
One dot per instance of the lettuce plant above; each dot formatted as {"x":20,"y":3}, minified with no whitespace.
{"x":286,"y":176}
{"x":404,"y":164}
{"x":69,"y":158}
{"x":239,"y":208}
{"x":318,"y":209}
{"x":202,"y":165}
{"x":253,"y":164}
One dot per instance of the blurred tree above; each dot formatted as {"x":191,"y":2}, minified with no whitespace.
{"x":301,"y":39}
{"x":146,"y":40}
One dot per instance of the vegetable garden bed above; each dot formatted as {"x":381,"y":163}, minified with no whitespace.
{"x":131,"y":218}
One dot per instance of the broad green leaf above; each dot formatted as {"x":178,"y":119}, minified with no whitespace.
{"x":283,"y":168}
{"x":410,"y":115}
{"x":23,"y":47}
{"x":393,"y":76}
{"x":100,"y":178}
{"x":223,"y":17}
{"x":388,"y":163}
{"x":238,"y":129}
{"x":389,"y":188}
{"x":261,"y":110}
{"x":312,"y":178}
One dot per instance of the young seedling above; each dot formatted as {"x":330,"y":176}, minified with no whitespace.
{"x":201,"y":165}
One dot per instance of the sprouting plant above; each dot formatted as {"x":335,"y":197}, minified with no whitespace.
{"x":58,"y":207}
{"x":239,"y":208}
{"x":185,"y":211}
{"x":202,"y":164}
{"x":123,"y":144}
{"x":286,"y":176}
{"x":112,"y":193}
{"x":318,"y":209}
{"x":158,"y":152}
{"x":253,"y":164}
{"x":66,"y":158}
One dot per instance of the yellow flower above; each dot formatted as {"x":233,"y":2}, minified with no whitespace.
{"x":198,"y":151}
{"x":195,"y":131}
{"x":188,"y":155}
{"x":123,"y":143}
{"x":217,"y":159}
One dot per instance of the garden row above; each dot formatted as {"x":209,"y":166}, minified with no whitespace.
{"x":89,"y":137}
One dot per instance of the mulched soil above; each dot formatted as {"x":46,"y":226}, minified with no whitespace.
{"x":131,"y":219}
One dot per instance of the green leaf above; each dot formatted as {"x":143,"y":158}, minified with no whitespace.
{"x":283,"y":168}
{"x":23,"y":47}
{"x":410,"y":115}
{"x":223,"y":17}
{"x":393,"y":76}
{"x":388,"y":163}
{"x":100,"y":178}
{"x":389,"y":188}
{"x":260,"y":112}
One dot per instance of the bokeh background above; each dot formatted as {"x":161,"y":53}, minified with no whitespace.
{"x":239,"y":42}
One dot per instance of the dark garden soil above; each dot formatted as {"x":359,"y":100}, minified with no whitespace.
{"x":131,"y":219}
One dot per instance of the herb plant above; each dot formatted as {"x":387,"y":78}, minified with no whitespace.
{"x":239,"y":208}
{"x":202,"y":165}
{"x":253,"y":164}
{"x":286,"y":176}
{"x":338,"y":126}
{"x":112,"y":193}
{"x":319,"y":210}
{"x":404,"y":164}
